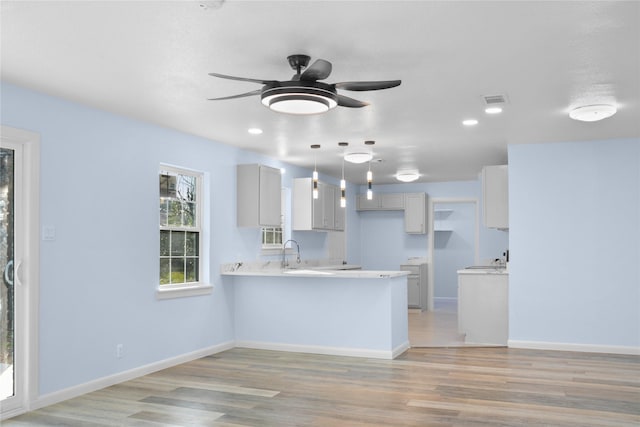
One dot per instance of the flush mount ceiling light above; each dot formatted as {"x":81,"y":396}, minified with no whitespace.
{"x":358,"y":157}
{"x":297,"y":98}
{"x":254,"y":131}
{"x":407,"y":176}
{"x":592,"y":113}
{"x":470,"y":122}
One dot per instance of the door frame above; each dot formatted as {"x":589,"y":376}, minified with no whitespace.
{"x":431,"y":238}
{"x":27,"y":267}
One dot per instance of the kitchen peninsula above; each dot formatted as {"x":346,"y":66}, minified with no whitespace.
{"x":338,"y":312}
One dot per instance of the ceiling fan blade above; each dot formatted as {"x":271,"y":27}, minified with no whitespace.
{"x":345,"y":101}
{"x":243,"y":79}
{"x":360,"y":86}
{"x":319,"y":70}
{"x":242,"y":95}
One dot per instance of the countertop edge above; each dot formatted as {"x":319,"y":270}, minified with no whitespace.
{"x":322,"y":274}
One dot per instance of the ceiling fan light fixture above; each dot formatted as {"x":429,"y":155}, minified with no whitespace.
{"x":592,"y":113}
{"x":299,"y":100}
{"x":407,"y":176}
{"x":358,"y":157}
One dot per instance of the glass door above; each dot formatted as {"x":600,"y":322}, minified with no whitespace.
{"x":8,"y":279}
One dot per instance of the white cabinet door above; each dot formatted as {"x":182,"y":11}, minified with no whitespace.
{"x":392,"y":201}
{"x":415,"y":213}
{"x":413,"y":291}
{"x":495,"y":196}
{"x":258,"y":195}
{"x":364,"y":204}
{"x":270,"y":195}
{"x":483,"y":308}
{"x":315,"y":214}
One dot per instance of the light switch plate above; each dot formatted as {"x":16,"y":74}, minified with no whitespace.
{"x":48,"y":232}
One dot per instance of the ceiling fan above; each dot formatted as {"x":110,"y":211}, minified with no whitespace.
{"x":304,"y":94}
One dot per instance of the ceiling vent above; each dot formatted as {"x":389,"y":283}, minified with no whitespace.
{"x":494,"y":99}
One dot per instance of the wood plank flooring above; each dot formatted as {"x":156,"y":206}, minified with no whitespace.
{"x":436,"y":328}
{"x":422,"y":387}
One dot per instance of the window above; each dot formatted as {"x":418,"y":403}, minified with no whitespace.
{"x":272,"y":237}
{"x":180,"y":228}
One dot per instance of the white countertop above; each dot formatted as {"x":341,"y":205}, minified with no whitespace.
{"x":489,"y":269}
{"x":319,"y":273}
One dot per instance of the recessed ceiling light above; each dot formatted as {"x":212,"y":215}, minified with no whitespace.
{"x":407,"y":176}
{"x":493,"y":110}
{"x":470,"y":122}
{"x":592,"y":113}
{"x":255,"y":131}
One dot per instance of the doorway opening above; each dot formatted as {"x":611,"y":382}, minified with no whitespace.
{"x":453,"y":245}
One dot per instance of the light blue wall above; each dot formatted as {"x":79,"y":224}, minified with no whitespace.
{"x":383,"y":243}
{"x":454,"y":248}
{"x":98,"y":278}
{"x":574,"y":212}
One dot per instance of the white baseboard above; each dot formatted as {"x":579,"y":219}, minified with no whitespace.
{"x":331,"y":351}
{"x":586,"y":348}
{"x":75,"y":391}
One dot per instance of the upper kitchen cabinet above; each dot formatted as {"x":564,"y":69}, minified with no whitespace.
{"x":258,"y":196}
{"x":323,"y":213}
{"x":415,"y":217}
{"x":381,"y":202}
{"x":495,"y":196}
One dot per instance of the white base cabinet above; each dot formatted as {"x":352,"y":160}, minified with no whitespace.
{"x":416,"y":285}
{"x":483,"y":307}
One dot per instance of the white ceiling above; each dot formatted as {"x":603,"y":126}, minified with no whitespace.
{"x":149,"y":60}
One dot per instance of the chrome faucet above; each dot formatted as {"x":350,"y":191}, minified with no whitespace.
{"x":285,"y":263}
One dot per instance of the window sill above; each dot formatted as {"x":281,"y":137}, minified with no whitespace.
{"x":181,"y":291}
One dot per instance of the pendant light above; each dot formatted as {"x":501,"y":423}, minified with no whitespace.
{"x":369,"y":174}
{"x":369,"y":181}
{"x":343,"y":183}
{"x":315,"y":172}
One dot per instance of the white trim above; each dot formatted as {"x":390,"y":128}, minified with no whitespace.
{"x":430,"y":233}
{"x":100,"y":383}
{"x":30,"y":142}
{"x":181,"y":291}
{"x":586,"y":348}
{"x":331,"y":351}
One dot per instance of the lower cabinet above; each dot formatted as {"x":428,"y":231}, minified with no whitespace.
{"x":483,"y":308}
{"x":416,"y":285}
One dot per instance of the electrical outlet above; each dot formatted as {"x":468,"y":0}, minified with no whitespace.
{"x":119,"y":351}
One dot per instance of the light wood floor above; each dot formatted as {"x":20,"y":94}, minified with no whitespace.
{"x":423,"y":387}
{"x":437,"y":328}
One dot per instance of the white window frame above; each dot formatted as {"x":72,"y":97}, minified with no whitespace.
{"x":200,"y":287}
{"x":285,"y":227}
